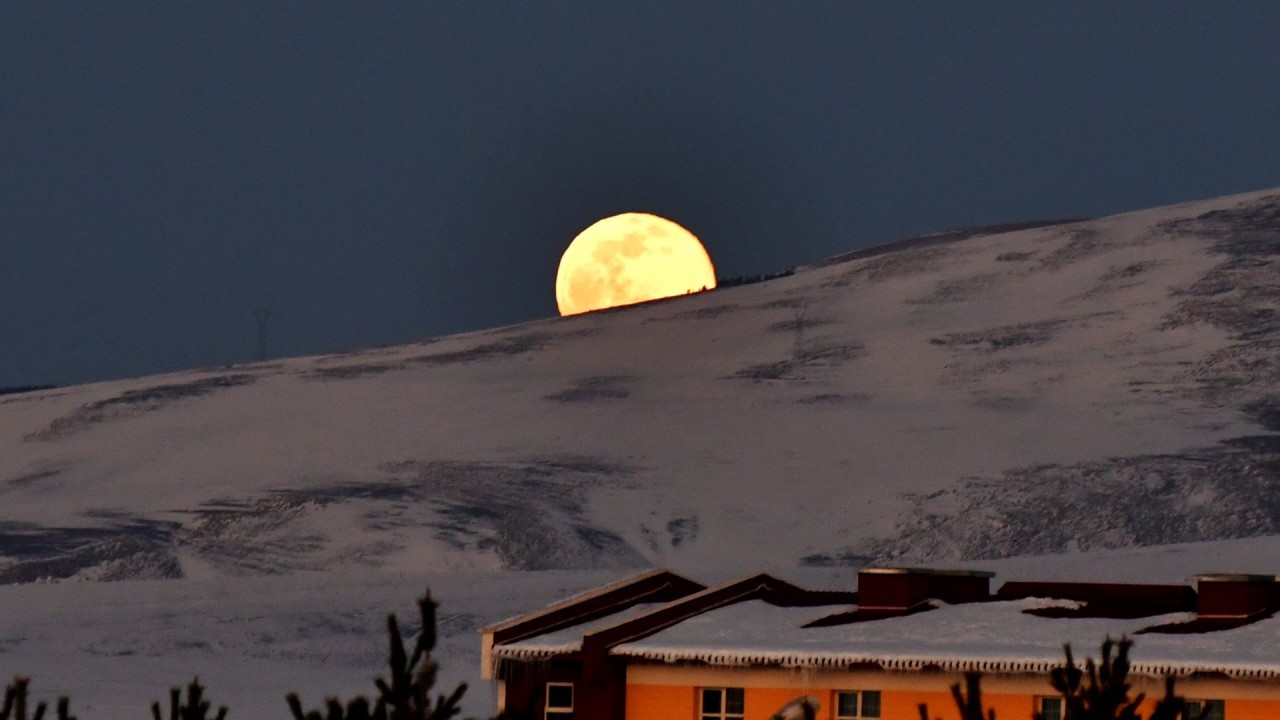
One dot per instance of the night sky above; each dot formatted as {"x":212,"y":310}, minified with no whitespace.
{"x":376,"y":173}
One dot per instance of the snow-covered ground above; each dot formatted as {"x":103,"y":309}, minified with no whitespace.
{"x":115,"y":647}
{"x":1074,"y":388}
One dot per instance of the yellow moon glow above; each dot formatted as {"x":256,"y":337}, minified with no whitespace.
{"x":630,"y":258}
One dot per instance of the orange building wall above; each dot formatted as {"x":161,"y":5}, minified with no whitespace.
{"x":898,"y":705}
{"x":664,"y":702}
{"x":1011,"y":698}
{"x":1252,"y":709}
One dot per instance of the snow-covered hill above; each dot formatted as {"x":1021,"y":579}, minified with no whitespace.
{"x":1100,"y":389}
{"x":1095,"y":384}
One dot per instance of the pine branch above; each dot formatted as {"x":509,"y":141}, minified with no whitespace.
{"x":15,"y":703}
{"x":968,"y":701}
{"x":406,"y":694}
{"x":195,"y":708}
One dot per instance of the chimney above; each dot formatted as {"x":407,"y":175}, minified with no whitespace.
{"x":1110,"y":600}
{"x":902,"y":589}
{"x":960,"y":586}
{"x":1236,"y":596}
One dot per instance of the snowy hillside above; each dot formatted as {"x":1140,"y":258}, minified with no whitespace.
{"x":973,"y":398}
{"x":1101,"y":389}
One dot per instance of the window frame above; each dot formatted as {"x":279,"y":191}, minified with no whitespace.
{"x":723,"y":713}
{"x":553,"y":712}
{"x":1202,"y":702}
{"x":862,"y":715}
{"x":1042,"y":699}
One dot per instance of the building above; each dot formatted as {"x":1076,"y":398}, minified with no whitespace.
{"x":659,"y":646}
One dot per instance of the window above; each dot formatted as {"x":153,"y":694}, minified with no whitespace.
{"x":1050,"y":708}
{"x":722,"y":704}
{"x":1206,"y":709}
{"x":559,"y":701}
{"x":857,"y":704}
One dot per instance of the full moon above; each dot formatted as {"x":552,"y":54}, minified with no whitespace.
{"x":630,"y":258}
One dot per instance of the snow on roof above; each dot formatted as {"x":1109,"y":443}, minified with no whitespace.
{"x":991,"y":637}
{"x":565,"y":640}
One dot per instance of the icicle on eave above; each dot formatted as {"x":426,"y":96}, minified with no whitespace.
{"x":918,"y":664}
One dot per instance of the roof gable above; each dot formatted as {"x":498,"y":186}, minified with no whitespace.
{"x":596,"y":644}
{"x":648,"y":587}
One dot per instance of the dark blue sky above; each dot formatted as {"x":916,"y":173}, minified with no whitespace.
{"x":378,"y":172}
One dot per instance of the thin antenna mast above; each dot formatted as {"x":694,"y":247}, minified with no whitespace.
{"x":260,"y":316}
{"x":798,"y":318}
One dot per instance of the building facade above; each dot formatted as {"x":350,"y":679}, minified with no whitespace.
{"x":659,"y":646}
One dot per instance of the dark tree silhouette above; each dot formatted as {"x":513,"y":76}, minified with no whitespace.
{"x":968,"y":700}
{"x":195,"y":708}
{"x":408,"y":694}
{"x":15,"y":703}
{"x":1099,"y":691}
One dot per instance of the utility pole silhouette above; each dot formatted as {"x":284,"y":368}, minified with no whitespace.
{"x":261,"y":316}
{"x":798,"y":319}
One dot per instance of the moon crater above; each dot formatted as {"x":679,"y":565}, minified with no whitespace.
{"x":630,"y":258}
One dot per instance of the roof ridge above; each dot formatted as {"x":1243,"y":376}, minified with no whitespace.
{"x":581,"y":597}
{"x":762,"y":581}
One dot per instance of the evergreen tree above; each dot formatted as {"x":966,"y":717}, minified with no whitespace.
{"x":1099,"y":691}
{"x":195,"y":708}
{"x":15,"y":703}
{"x":408,"y":694}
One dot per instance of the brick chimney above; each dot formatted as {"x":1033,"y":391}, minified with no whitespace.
{"x":901,"y":589}
{"x":1236,"y":596}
